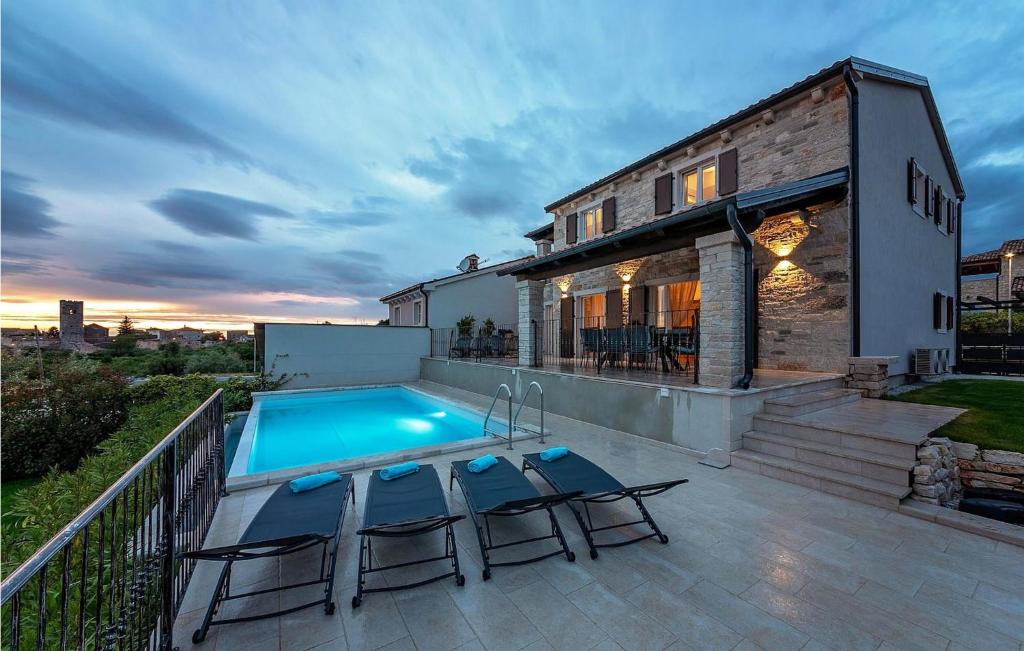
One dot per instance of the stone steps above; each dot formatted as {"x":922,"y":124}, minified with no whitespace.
{"x":836,"y":482}
{"x":859,"y":462}
{"x":838,"y":434}
{"x":804,"y":403}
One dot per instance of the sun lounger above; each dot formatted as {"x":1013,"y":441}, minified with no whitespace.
{"x":287,"y":523}
{"x":407,"y":506}
{"x":573,"y":473}
{"x":503,"y":491}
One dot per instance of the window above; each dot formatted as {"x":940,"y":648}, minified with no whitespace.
{"x":918,"y":188}
{"x":398,"y":315}
{"x":675,"y":304}
{"x":417,"y":313}
{"x":592,"y":310}
{"x":699,"y":184}
{"x":590,"y":223}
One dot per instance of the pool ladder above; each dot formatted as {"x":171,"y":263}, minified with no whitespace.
{"x":513,"y":420}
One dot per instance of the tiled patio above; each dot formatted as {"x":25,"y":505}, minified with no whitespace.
{"x":752,"y":563}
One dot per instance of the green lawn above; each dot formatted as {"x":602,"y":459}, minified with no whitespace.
{"x":9,"y":489}
{"x":996,"y":416}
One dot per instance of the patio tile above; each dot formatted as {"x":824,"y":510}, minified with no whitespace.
{"x":432,"y":618}
{"x":405,"y":644}
{"x":374,"y":624}
{"x":968,"y":633}
{"x":562,"y":623}
{"x":696,"y":628}
{"x":252,"y":636}
{"x":876,"y":620}
{"x":993,"y":596}
{"x":767,"y":631}
{"x":809,"y":619}
{"x":998,"y":619}
{"x":310,"y":627}
{"x":627,"y":626}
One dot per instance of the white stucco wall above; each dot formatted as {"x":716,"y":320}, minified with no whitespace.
{"x":342,"y":355}
{"x":485,"y":296}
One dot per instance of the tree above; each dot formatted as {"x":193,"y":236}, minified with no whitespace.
{"x":384,"y":322}
{"x":126,"y":326}
{"x":123,"y":344}
{"x":53,"y":332}
{"x":214,"y":336}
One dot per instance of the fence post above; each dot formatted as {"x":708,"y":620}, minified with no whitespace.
{"x":167,"y":567}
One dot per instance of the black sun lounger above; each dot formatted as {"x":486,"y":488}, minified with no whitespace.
{"x":287,"y":523}
{"x":502,"y":490}
{"x":575,"y":473}
{"x":411,"y":505}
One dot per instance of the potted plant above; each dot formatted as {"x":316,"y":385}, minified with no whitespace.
{"x":464,"y":327}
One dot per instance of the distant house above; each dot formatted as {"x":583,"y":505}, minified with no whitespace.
{"x":159,"y":333}
{"x":237,"y":336}
{"x":186,"y":336}
{"x":997,"y":274}
{"x":96,"y":333}
{"x":441,"y":302}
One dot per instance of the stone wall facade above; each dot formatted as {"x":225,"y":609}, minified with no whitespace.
{"x":936,"y":475}
{"x":802,"y":264}
{"x":971,"y":289}
{"x":869,"y":374}
{"x":990,"y":468}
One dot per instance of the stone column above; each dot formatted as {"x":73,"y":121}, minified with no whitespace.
{"x":721,"y":309}
{"x":869,"y":374}
{"x":531,"y":320}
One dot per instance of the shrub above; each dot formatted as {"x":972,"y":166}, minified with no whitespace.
{"x":56,"y":420}
{"x":214,"y":360}
{"x":993,"y":322}
{"x":238,"y":390}
{"x":170,"y":361}
{"x":160,"y":387}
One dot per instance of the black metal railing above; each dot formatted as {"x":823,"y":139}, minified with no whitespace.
{"x":113,"y":577}
{"x":665,"y":342}
{"x":498,"y":342}
{"x":999,"y":354}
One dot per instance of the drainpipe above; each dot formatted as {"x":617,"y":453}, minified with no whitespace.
{"x":748,"y":292}
{"x":854,"y":97}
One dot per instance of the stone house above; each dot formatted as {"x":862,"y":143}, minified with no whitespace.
{"x":818,"y":224}
{"x":186,"y":336}
{"x":96,"y":333}
{"x":997,"y":275}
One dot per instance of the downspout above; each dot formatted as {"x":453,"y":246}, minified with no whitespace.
{"x":854,"y":208}
{"x":748,"y":292}
{"x":958,"y":218}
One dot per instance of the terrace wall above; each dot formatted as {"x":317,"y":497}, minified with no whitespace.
{"x":324,"y":355}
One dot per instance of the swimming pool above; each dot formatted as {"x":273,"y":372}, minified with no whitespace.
{"x":306,"y":428}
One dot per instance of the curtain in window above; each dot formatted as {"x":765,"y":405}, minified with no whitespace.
{"x":683,"y":299}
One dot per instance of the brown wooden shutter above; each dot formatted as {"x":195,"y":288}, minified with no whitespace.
{"x":613,"y":308}
{"x":570,"y":229}
{"x":637,"y":305}
{"x":937,"y":310}
{"x":728,"y":173}
{"x":608,"y":215}
{"x":566,"y":337}
{"x":950,"y":215}
{"x":663,"y":194}
{"x":928,"y":197}
{"x":949,"y":313}
{"x":912,"y":181}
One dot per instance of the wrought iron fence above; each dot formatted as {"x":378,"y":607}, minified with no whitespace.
{"x":666,"y":342}
{"x":483,"y":342}
{"x":113,"y":577}
{"x":992,"y":337}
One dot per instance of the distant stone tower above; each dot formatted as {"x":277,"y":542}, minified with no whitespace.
{"x":72,"y":319}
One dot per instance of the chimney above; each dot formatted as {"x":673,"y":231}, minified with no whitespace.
{"x":473,"y":260}
{"x":543,"y":248}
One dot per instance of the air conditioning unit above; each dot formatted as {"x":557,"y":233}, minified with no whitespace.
{"x":932,"y":361}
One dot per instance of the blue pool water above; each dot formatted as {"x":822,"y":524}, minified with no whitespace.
{"x":308,"y":428}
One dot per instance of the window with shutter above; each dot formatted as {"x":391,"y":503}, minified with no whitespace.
{"x":570,"y":229}
{"x":728,"y":172}
{"x":937,"y":310}
{"x":608,"y":220}
{"x":929,"y":196}
{"x":663,"y":194}
{"x":951,"y":206}
{"x":939,"y":204}
{"x":912,"y":174}
{"x":950,"y":316}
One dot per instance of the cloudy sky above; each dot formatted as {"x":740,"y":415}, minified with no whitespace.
{"x":219,"y":163}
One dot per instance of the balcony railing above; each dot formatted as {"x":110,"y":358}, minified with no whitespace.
{"x":479,"y":343}
{"x":666,"y":342}
{"x":113,"y":577}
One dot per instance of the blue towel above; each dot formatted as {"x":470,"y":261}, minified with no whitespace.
{"x":552,"y":454}
{"x":400,"y":470}
{"x":482,"y":463}
{"x":309,"y":482}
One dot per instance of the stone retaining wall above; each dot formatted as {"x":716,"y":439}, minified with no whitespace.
{"x":869,"y":374}
{"x":990,"y":468}
{"x":937,"y":475}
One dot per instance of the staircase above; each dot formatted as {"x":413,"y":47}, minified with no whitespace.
{"x":835,"y":441}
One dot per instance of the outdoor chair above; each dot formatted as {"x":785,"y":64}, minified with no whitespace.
{"x":641,"y":345}
{"x":575,"y":474}
{"x":405,"y":507}
{"x":286,"y":524}
{"x":503,"y":491}
{"x":616,"y":344}
{"x":590,"y":342}
{"x":460,"y":346}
